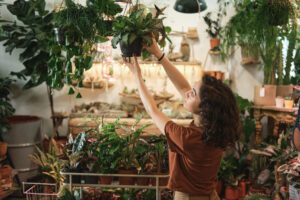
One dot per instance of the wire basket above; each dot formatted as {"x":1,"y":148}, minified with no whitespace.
{"x":40,"y":191}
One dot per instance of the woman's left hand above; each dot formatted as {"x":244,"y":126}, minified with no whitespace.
{"x":133,"y":65}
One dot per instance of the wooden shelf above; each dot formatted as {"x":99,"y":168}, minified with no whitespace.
{"x":174,"y":63}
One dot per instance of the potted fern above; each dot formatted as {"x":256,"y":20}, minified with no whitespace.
{"x":136,"y":29}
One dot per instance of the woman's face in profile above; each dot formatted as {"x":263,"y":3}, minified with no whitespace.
{"x":192,"y":98}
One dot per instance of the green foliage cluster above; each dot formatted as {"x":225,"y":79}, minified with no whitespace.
{"x":140,"y":24}
{"x":254,"y":26}
{"x":6,"y":108}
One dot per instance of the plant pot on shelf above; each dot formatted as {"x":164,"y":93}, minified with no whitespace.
{"x":279,"y":102}
{"x":133,"y":49}
{"x":105,"y":180}
{"x":242,"y":188}
{"x":5,"y":171}
{"x":90,"y":179}
{"x":288,"y":103}
{"x":3,"y":149}
{"x":142,"y":181}
{"x":75,"y":178}
{"x":127,"y":180}
{"x":265,"y":95}
{"x":214,"y":42}
{"x":231,"y":193}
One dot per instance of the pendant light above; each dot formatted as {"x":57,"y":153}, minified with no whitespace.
{"x":190,"y":6}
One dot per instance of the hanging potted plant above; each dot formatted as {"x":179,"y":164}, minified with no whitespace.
{"x":136,"y":29}
{"x":279,"y":11}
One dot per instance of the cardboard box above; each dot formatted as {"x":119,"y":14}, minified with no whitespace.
{"x":284,"y":90}
{"x":265,"y":95}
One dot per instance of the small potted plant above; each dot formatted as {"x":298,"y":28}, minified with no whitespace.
{"x":107,"y":151}
{"x":159,"y":151}
{"x":128,"y":163}
{"x":213,"y":29}
{"x":136,"y":29}
{"x":288,"y":102}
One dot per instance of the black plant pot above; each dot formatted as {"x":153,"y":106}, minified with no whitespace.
{"x":90,"y":179}
{"x":75,"y":178}
{"x":133,"y":49}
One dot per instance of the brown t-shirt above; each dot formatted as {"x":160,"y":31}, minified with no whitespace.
{"x":193,"y":165}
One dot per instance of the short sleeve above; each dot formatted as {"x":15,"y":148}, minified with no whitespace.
{"x":176,"y":136}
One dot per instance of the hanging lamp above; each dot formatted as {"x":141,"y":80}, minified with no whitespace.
{"x":190,"y":6}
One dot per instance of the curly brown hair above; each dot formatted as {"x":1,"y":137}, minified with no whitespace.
{"x":219,"y":113}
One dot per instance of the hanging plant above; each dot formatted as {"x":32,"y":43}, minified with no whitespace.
{"x":82,"y":27}
{"x":278,"y":12}
{"x":137,"y":29}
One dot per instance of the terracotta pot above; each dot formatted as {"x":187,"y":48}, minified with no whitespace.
{"x":127,"y":180}
{"x":3,"y":149}
{"x":219,"y":186}
{"x":142,"y":181}
{"x":60,"y":141}
{"x":214,"y":42}
{"x":6,"y":171}
{"x":296,"y":138}
{"x":163,"y":181}
{"x":105,"y":180}
{"x":231,"y":193}
{"x":242,"y":189}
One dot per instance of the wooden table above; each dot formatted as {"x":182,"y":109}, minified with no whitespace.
{"x":280,"y":115}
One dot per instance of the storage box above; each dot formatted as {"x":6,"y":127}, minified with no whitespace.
{"x":284,"y":90}
{"x":265,"y":95}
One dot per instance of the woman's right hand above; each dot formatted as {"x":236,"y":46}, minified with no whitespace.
{"x":154,"y":48}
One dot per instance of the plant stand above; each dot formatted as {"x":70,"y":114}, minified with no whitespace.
{"x":280,"y":115}
{"x":157,"y":187}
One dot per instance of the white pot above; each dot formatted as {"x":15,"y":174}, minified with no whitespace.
{"x":279,"y":102}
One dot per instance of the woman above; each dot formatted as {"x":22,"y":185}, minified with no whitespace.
{"x":195,"y":152}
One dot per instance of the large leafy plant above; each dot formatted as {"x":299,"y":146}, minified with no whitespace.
{"x":140,"y":25}
{"x":46,"y":60}
{"x":78,"y":28}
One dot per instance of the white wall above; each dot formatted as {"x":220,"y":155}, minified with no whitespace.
{"x":35,"y":102}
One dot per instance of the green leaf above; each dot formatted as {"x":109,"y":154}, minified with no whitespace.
{"x":101,"y":39}
{"x":71,"y":91}
{"x":78,"y":96}
{"x":125,"y":39}
{"x":132,"y":38}
{"x":115,"y":41}
{"x":168,"y":29}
